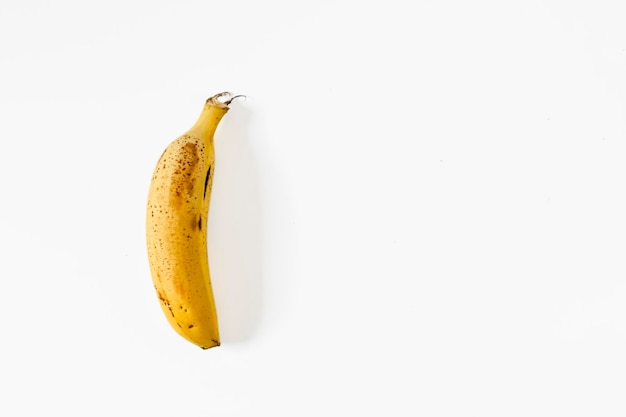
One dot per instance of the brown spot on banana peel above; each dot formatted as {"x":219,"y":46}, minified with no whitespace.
{"x":166,"y":302}
{"x":206,"y":180}
{"x":182,"y":185}
{"x":162,"y":298}
{"x":196,"y":223}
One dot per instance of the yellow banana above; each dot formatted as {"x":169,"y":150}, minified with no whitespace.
{"x":176,"y":223}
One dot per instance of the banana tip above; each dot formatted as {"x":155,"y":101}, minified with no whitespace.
{"x":211,"y":346}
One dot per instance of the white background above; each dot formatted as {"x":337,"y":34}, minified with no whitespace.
{"x":417,"y":211}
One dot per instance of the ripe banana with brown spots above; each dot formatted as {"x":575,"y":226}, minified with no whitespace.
{"x":176,"y":223}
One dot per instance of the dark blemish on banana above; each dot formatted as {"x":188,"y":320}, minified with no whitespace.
{"x":162,"y":298}
{"x":206,"y":180}
{"x":190,"y":326}
{"x":200,"y":223}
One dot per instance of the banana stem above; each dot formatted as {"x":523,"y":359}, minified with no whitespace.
{"x":234,"y":97}
{"x":215,"y":100}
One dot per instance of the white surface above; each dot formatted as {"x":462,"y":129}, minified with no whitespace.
{"x":419,"y":210}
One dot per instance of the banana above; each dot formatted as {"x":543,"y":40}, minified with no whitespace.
{"x":176,"y":228}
